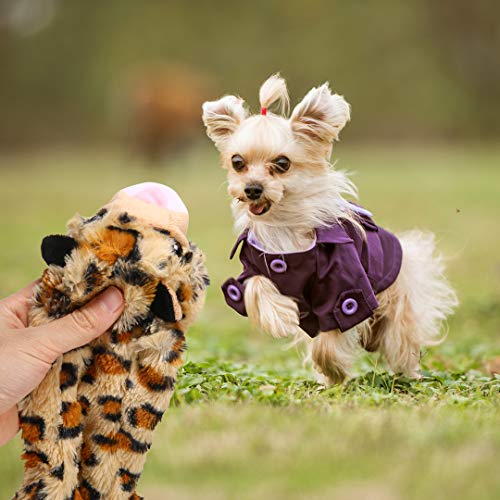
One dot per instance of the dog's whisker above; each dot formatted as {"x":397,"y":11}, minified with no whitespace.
{"x":222,"y":184}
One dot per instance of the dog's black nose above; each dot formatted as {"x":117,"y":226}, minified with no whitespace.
{"x":254,"y":191}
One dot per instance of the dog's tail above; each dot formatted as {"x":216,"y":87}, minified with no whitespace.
{"x":427,"y":289}
{"x":412,"y":311}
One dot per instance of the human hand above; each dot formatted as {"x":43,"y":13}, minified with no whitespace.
{"x":27,"y":353}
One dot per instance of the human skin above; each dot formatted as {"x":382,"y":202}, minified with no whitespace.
{"x":27,"y":353}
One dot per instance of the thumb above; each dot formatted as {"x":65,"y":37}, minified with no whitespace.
{"x":82,"y":325}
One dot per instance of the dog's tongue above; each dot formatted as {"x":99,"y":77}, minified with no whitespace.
{"x":257,"y":209}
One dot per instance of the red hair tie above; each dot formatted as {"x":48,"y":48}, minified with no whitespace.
{"x":263,"y":111}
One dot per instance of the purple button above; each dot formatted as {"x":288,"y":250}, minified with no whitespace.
{"x":278,"y":266}
{"x":234,"y":293}
{"x":349,"y":306}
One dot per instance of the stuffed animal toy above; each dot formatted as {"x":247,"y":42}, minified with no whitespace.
{"x":88,"y":426}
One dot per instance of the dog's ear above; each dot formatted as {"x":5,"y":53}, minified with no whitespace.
{"x":56,"y":247}
{"x":222,"y":117}
{"x":320,"y":116}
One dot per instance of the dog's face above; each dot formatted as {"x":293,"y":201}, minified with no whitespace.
{"x":271,"y":160}
{"x":261,"y":160}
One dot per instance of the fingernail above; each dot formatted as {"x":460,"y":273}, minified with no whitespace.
{"x":112,"y":299}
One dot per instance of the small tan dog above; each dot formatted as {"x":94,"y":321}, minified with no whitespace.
{"x":315,"y":263}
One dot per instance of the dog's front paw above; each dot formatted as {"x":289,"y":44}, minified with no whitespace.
{"x":269,"y":310}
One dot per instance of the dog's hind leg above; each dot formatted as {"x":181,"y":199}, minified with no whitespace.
{"x":333,"y":353}
{"x":412,"y":310}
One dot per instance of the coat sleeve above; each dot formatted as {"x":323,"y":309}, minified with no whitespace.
{"x":234,"y":288}
{"x":342,"y":296}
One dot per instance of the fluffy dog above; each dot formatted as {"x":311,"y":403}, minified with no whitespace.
{"x":315,"y":263}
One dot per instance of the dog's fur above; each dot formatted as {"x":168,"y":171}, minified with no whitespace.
{"x":309,"y":195}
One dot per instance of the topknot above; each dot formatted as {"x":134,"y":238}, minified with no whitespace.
{"x":272,"y":91}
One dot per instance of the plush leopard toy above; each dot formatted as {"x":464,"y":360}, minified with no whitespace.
{"x":88,"y":425}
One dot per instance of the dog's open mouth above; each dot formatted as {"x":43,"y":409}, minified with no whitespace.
{"x":259,"y":208}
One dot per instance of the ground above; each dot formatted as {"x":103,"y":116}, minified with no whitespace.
{"x":248,"y":421}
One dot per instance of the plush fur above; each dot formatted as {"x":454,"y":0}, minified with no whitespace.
{"x":88,"y":426}
{"x":309,"y":194}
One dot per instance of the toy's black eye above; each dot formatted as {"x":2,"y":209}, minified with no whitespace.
{"x":176,"y":247}
{"x":281,"y":164}
{"x":238,"y":163}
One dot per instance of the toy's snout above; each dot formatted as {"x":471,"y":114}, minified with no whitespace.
{"x":157,"y":194}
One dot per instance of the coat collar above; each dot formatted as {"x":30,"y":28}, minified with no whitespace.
{"x":329,"y":234}
{"x":332,"y":234}
{"x":241,"y":237}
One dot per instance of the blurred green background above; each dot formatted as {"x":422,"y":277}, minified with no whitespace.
{"x":411,"y":69}
{"x":96,"y":97}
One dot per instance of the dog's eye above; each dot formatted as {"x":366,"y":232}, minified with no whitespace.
{"x":238,"y":163}
{"x":282,"y":164}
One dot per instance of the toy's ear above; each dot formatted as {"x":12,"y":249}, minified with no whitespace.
{"x":222,"y":117}
{"x":165,"y":305}
{"x":56,"y":247}
{"x":320,"y":116}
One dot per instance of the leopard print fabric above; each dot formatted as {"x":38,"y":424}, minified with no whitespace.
{"x":88,"y":426}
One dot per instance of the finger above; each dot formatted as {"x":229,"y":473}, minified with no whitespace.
{"x":83,"y":325}
{"x":24,"y":293}
{"x":16,"y":306}
{"x":27,"y":292}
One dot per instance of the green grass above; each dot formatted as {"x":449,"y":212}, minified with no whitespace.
{"x":247,"y":419}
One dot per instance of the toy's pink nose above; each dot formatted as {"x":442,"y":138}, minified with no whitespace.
{"x":157,"y":194}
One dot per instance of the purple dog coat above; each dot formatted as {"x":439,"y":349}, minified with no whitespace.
{"x":334,"y":282}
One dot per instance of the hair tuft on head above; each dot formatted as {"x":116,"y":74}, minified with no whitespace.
{"x":273,"y":91}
